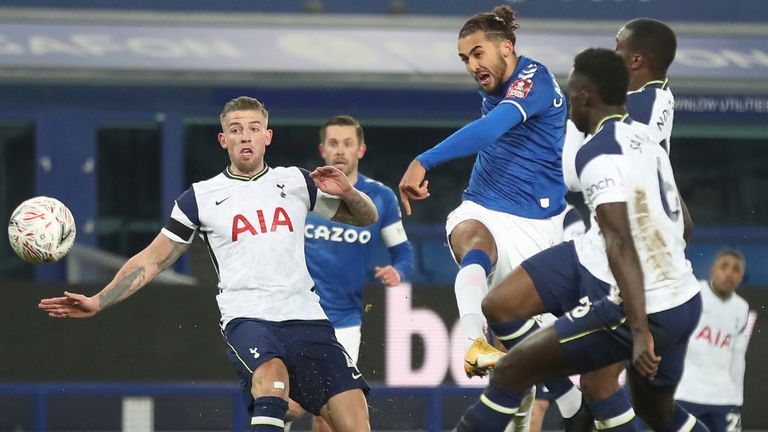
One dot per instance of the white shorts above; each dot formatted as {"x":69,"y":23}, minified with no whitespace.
{"x":516,"y":238}
{"x":349,"y":338}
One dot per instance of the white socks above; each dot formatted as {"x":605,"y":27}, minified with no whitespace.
{"x":470,"y":287}
{"x":569,"y":403}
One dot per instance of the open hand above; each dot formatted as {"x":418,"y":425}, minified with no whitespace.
{"x":70,"y":306}
{"x":331,"y":180}
{"x":413,"y":186}
{"x":387,"y":275}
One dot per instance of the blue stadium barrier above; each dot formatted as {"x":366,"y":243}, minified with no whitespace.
{"x":434,"y":397}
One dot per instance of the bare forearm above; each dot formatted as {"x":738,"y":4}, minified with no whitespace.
{"x":136,"y":273}
{"x":356,"y":208}
{"x":626,"y":269}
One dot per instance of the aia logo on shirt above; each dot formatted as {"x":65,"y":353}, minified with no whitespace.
{"x":715,"y":338}
{"x":519,"y":88}
{"x":241,"y":224}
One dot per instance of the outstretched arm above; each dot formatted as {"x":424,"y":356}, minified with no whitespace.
{"x":355,"y":208}
{"x":467,"y":141}
{"x":613,"y":220}
{"x":135,"y":274}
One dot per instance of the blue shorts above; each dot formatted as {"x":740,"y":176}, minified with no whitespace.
{"x":560,"y":280}
{"x":318,"y":366}
{"x":597,"y":334}
{"x":542,"y":393}
{"x":726,"y":418}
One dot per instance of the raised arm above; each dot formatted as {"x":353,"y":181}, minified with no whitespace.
{"x":135,"y":274}
{"x":613,"y":221}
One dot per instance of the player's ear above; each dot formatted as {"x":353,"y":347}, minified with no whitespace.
{"x":508,"y":48}
{"x":361,"y":151}
{"x":268,"y":135}
{"x":222,"y":141}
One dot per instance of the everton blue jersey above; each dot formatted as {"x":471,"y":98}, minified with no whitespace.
{"x":337,"y":254}
{"x":521,"y":173}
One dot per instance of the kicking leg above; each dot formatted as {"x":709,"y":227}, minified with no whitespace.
{"x":607,"y":401}
{"x":474,"y":249}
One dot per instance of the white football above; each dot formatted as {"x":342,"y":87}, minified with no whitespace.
{"x":41,"y":230}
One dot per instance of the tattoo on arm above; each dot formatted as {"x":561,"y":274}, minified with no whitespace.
{"x":358,"y":211}
{"x":139,"y":276}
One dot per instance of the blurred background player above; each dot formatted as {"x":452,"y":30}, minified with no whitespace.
{"x":514,"y":205}
{"x":636,"y":257}
{"x":712,"y":387}
{"x":252,"y":218}
{"x":338,"y":254}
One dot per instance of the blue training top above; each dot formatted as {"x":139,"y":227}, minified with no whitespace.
{"x":519,"y":144}
{"x":337,"y":254}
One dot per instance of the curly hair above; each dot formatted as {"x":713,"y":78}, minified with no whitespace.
{"x":498,"y":24}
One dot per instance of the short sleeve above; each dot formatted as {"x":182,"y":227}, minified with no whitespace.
{"x":184,"y":220}
{"x":533,"y":91}
{"x":599,"y":166}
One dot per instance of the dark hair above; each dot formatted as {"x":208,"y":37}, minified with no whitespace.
{"x":733,"y":253}
{"x":499,"y":24}
{"x":244,"y":103}
{"x":343,"y":120}
{"x":606,"y":70}
{"x":654,"y":40}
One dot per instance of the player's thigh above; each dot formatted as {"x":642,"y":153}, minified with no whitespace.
{"x":347,"y":411}
{"x":551,"y":281}
{"x":602,"y":383}
{"x":515,"y":298}
{"x":349,"y":338}
{"x":256,"y":352}
{"x":319,"y":366}
{"x":652,"y":402}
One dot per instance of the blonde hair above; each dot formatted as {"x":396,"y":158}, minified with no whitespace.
{"x":243,"y":103}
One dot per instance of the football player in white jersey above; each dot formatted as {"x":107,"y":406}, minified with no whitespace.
{"x":636,"y":255}
{"x":252,"y":217}
{"x":712,"y":387}
{"x":648,"y":48}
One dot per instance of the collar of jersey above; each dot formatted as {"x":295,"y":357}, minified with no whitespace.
{"x":662,"y":84}
{"x":256,"y":176}
{"x":604,"y":120}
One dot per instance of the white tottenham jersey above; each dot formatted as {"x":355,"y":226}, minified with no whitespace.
{"x":653,"y":104}
{"x":714,"y":364}
{"x":622,"y":163}
{"x":254,"y":230}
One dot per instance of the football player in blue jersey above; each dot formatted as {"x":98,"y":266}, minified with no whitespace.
{"x":514,"y":205}
{"x":252,"y":219}
{"x":636,"y":256}
{"x":338,"y":254}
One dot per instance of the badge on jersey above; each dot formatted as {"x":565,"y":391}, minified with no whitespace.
{"x":520,"y":88}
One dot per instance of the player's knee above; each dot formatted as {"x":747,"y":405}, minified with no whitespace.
{"x":497,"y":310}
{"x":270,"y":379}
